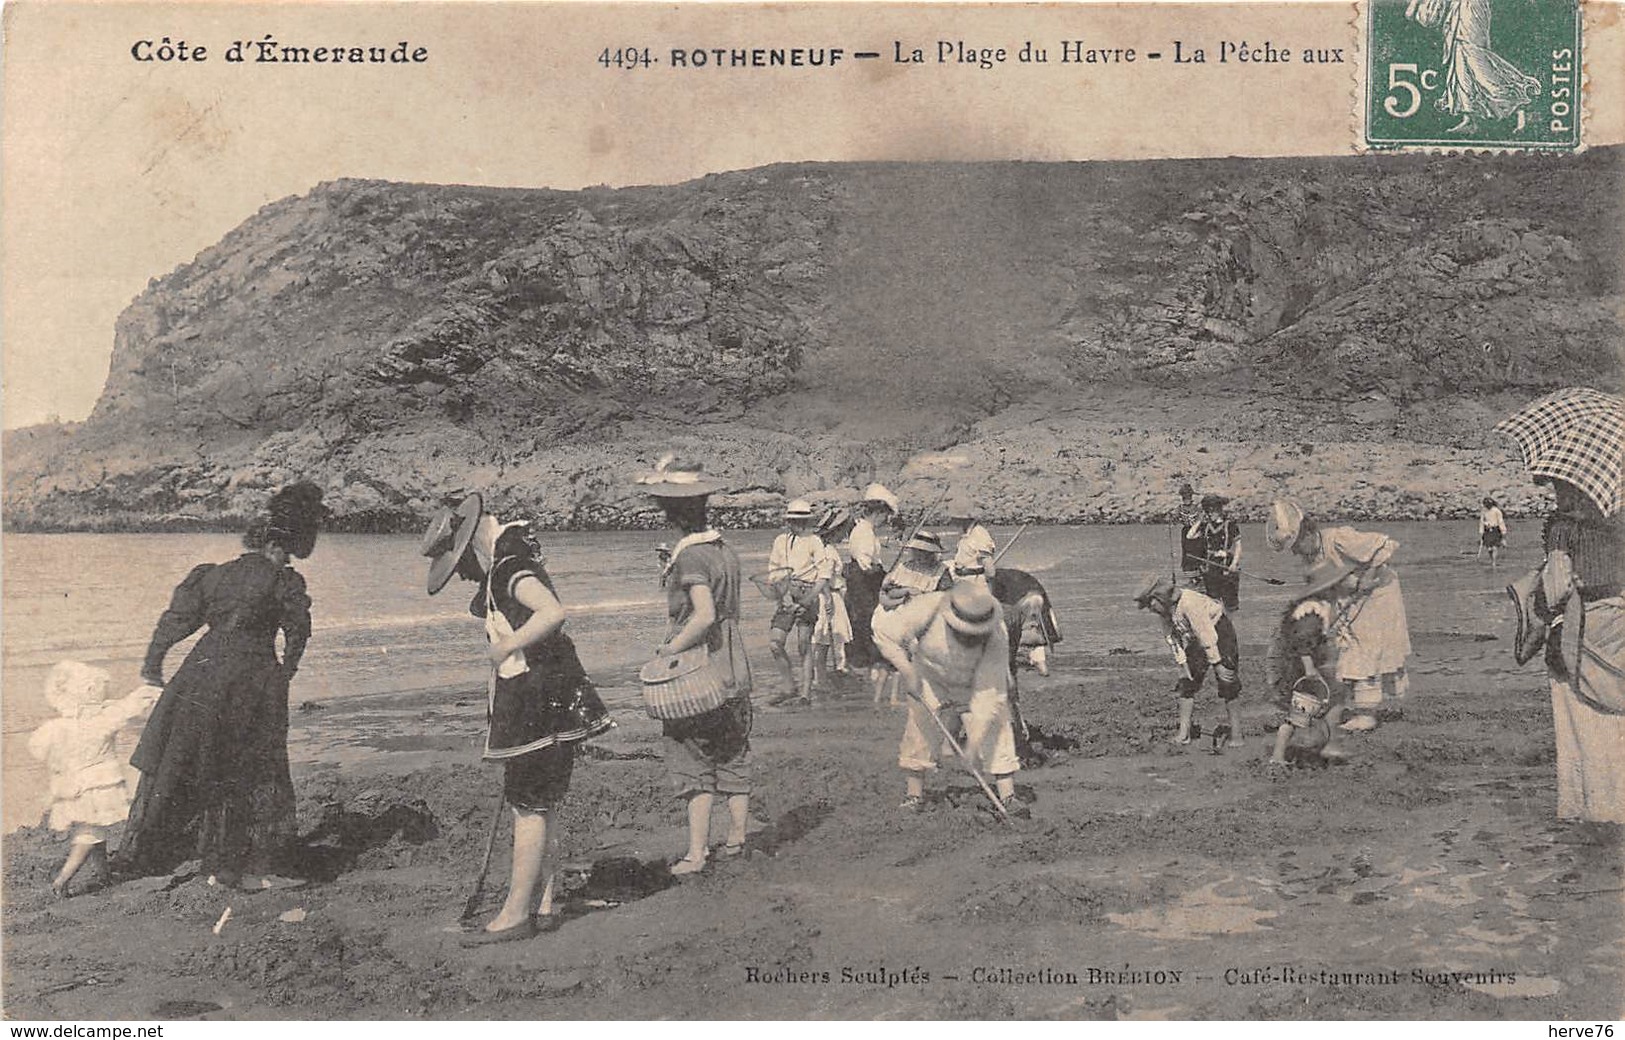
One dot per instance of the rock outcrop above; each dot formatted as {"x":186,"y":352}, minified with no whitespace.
{"x":1073,"y":339}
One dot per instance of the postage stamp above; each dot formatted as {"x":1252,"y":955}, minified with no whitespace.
{"x":1473,"y":73}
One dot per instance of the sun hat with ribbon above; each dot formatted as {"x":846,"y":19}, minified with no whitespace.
{"x":924,"y":541}
{"x":447,"y":538}
{"x":798,"y":509}
{"x":674,"y":477}
{"x":879,"y":493}
{"x":1153,"y":587}
{"x":832,"y":520}
{"x":1323,"y":578}
{"x":1284,"y":525}
{"x":971,"y":610}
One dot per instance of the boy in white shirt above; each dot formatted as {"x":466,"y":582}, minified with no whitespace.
{"x":1202,"y":636}
{"x":796,"y":570}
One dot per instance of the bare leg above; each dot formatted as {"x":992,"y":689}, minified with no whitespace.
{"x":699,"y":832}
{"x":529,"y":857}
{"x":738,"y":817}
{"x":1186,"y":706}
{"x":805,"y":664}
{"x":78,"y":853}
{"x":1232,"y":711}
{"x":1283,"y":732}
{"x":781,"y":658}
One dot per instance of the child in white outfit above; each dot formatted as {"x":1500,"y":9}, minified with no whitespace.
{"x":89,"y":786}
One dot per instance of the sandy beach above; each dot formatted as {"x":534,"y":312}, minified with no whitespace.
{"x":1426,"y":879}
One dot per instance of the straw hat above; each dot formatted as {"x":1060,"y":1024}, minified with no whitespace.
{"x":673,"y":477}
{"x":798,"y":509}
{"x":971,"y":610}
{"x":925,"y":541}
{"x":832,"y":520}
{"x":879,"y":493}
{"x":450,"y":531}
{"x":1323,"y":578}
{"x":1285,"y":523}
{"x":1153,"y":587}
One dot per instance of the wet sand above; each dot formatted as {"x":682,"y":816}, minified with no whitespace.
{"x":1429,"y":875}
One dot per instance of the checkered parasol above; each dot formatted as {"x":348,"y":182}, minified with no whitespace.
{"x":1576,"y":435}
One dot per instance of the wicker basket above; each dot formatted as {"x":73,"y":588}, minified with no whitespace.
{"x":681,"y":686}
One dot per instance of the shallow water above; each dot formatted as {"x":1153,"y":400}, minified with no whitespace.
{"x":94,"y":598}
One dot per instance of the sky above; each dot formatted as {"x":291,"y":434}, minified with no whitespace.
{"x":117,"y":171}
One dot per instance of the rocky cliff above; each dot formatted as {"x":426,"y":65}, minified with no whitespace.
{"x":1071,"y":339}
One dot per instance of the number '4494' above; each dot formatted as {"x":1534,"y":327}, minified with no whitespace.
{"x":625,"y":58}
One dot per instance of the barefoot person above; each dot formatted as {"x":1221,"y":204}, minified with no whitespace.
{"x":541,"y":703}
{"x":707,"y":755}
{"x":1202,"y":636}
{"x":795,"y":569}
{"x":89,"y":791}
{"x":214,"y":755}
{"x":1373,"y":640}
{"x":950,"y":651}
{"x":1492,"y":530}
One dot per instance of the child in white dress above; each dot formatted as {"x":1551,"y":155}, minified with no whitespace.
{"x":90,"y":789}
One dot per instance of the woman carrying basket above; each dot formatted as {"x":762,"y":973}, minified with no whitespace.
{"x":707,"y":754}
{"x":541,"y":702}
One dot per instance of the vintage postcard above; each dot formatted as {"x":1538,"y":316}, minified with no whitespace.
{"x":813,"y":511}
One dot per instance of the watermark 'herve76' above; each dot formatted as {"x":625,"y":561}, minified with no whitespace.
{"x":1473,"y":74}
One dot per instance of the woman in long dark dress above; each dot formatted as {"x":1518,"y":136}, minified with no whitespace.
{"x":214,"y":755}
{"x":542,"y":704}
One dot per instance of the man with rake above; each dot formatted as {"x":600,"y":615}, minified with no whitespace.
{"x":950,"y":650}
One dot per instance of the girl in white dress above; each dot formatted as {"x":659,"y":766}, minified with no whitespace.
{"x":90,"y":788}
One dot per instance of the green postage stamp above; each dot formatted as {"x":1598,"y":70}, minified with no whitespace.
{"x":1472,"y":74}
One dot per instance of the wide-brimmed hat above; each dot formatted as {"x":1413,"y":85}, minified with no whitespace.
{"x":971,"y":610}
{"x":879,"y":493}
{"x":1285,"y":524}
{"x":1323,"y":578}
{"x":798,"y":509}
{"x":673,"y":477}
{"x":925,"y":541}
{"x":1214,"y":501}
{"x":1152,"y":587}
{"x":450,"y":531}
{"x":833,"y":519}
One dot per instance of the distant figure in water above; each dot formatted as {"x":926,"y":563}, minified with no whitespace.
{"x":1492,"y":530}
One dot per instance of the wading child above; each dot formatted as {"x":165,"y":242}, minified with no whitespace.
{"x":1201,"y":636}
{"x":89,"y":787}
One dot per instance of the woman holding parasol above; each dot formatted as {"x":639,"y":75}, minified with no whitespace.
{"x":1574,"y":441}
